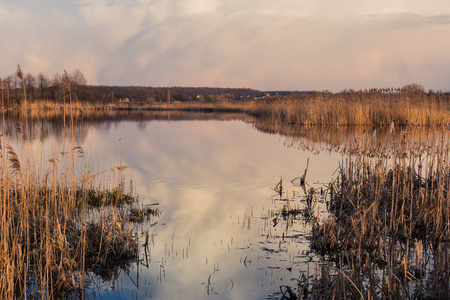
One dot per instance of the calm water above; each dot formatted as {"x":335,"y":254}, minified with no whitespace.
{"x":218,"y":235}
{"x":215,"y":237}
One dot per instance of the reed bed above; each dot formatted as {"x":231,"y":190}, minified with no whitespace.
{"x":50,"y":237}
{"x":376,"y":107}
{"x":387,"y":235}
{"x":356,"y":108}
{"x":74,"y":106}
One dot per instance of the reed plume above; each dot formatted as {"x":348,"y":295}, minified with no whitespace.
{"x":2,"y":88}
{"x":19,"y":74}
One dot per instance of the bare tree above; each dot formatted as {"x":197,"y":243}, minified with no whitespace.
{"x":78,"y":83}
{"x":42,"y":84}
{"x":77,"y":77}
{"x":56,"y":89}
{"x":30,"y":83}
{"x":414,"y":87}
{"x":66,"y":87}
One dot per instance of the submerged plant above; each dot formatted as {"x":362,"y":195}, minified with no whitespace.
{"x":138,"y":215}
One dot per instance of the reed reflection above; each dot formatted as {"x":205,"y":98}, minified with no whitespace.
{"x":41,"y":124}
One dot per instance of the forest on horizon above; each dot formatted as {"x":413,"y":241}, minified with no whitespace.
{"x":42,"y":87}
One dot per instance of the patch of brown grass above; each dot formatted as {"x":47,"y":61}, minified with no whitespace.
{"x":357,"y":108}
{"x":49,"y":236}
{"x":388,"y":227}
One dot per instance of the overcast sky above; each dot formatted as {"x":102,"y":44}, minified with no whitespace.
{"x":260,"y":44}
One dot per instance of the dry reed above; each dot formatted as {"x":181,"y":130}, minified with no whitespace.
{"x":357,"y":108}
{"x":388,"y":234}
{"x":49,"y":236}
{"x":368,"y":108}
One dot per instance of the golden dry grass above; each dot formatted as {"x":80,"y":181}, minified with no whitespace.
{"x":369,"y":109}
{"x":388,"y":232}
{"x":49,"y":237}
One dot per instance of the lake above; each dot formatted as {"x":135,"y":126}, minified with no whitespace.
{"x":220,"y":233}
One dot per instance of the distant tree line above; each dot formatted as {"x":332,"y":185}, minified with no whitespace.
{"x":168,"y":94}
{"x":63,"y":87}
{"x":21,"y":87}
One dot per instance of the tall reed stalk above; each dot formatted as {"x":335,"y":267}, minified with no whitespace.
{"x":19,"y":74}
{"x":388,"y":230}
{"x":49,"y":237}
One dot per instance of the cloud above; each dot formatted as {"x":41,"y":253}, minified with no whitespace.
{"x":259,"y":44}
{"x":112,"y":24}
{"x":405,"y":20}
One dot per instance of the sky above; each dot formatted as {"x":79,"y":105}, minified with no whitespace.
{"x":260,"y":44}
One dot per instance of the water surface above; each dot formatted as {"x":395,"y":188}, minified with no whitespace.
{"x":215,"y":237}
{"x":219,"y":234}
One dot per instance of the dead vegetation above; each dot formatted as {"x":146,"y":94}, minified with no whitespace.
{"x":387,"y":235}
{"x":51,"y":234}
{"x":364,"y":108}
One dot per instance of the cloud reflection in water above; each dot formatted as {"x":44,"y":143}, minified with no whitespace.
{"x":213,"y":181}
